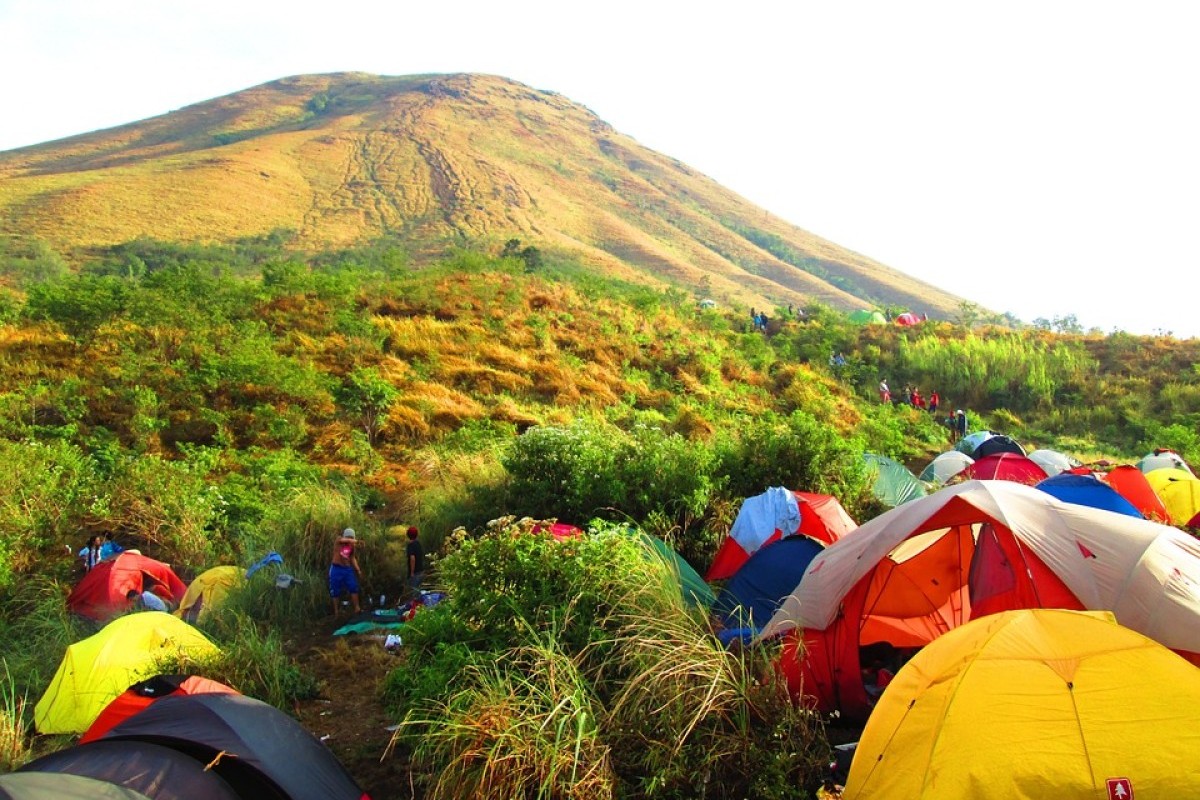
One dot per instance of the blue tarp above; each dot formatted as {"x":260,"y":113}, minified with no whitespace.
{"x":758,"y":588}
{"x":1085,"y":490}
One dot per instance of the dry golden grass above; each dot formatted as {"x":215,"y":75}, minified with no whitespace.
{"x":441,"y":158}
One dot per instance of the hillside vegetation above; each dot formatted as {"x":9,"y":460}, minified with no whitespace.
{"x":340,"y":160}
{"x":207,"y":403}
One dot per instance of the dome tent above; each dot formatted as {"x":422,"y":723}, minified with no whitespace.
{"x":1004,"y":466}
{"x":772,"y":515}
{"x":973,"y":549}
{"x":276,"y":756}
{"x":101,"y":593}
{"x":158,"y":772}
{"x":60,"y":786}
{"x":97,"y":669}
{"x":945,"y":466}
{"x":1034,"y":703}
{"x":1088,"y":490}
{"x":892,"y":483}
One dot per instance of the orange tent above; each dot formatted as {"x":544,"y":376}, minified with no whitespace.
{"x":1130,"y":482}
{"x":973,"y":549}
{"x":144,"y":693}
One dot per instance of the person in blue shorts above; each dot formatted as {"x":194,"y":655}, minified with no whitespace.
{"x":344,"y":571}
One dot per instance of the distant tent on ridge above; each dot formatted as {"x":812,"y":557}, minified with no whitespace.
{"x":866,"y":317}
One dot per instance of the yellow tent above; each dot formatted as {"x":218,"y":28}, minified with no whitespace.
{"x":207,"y":591}
{"x":100,"y":667}
{"x":1179,"y":490}
{"x":1031,"y":704}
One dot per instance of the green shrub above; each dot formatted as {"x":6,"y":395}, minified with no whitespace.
{"x":564,"y":472}
{"x":510,"y":580}
{"x":796,"y":451}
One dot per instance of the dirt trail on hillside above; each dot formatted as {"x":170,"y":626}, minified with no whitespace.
{"x":349,"y":715}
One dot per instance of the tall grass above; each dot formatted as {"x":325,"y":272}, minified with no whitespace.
{"x":14,"y":747}
{"x":523,"y":726}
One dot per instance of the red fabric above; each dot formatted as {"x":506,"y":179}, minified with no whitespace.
{"x":1005,"y":467}
{"x":1130,"y":482}
{"x":559,"y":530}
{"x":907,"y":318}
{"x":822,"y":517}
{"x":102,"y":591}
{"x":131,"y":701}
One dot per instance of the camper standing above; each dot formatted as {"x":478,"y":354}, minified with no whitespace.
{"x":885,"y":394}
{"x":344,"y":571}
{"x":960,"y":423}
{"x":415,"y":558}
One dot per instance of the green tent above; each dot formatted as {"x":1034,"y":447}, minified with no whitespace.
{"x":893,"y":484}
{"x":695,"y":591}
{"x":865,"y":317}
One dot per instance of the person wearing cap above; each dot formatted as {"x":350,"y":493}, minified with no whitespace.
{"x":415,"y":559}
{"x":344,"y":571}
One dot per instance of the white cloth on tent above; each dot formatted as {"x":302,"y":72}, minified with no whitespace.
{"x":761,"y":515}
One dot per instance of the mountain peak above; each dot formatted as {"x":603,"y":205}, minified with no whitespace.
{"x":433,"y":160}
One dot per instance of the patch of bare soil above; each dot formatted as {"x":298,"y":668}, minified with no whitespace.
{"x":349,"y":714}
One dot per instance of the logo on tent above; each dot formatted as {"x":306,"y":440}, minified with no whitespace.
{"x":1119,"y":789}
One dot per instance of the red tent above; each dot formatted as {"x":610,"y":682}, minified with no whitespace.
{"x":143,"y":693}
{"x":101,"y":593}
{"x":1130,"y":482}
{"x":821,"y":517}
{"x":907,"y":318}
{"x":1004,"y":467}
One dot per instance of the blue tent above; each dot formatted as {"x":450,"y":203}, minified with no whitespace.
{"x":1087,"y":490}
{"x":756,"y":590}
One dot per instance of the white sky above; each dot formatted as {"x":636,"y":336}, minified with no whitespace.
{"x":1036,"y":156}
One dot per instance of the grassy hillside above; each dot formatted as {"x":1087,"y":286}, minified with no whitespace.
{"x":337,"y":160}
{"x":206,"y":403}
